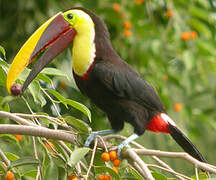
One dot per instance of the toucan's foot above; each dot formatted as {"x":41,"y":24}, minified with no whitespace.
{"x":90,"y":139}
{"x":119,"y":148}
{"x":125,"y":143}
{"x":98,"y":133}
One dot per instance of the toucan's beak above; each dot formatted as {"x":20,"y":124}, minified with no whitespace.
{"x":44,"y":45}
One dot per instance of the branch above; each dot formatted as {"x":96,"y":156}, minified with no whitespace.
{"x":140,"y":164}
{"x":19,"y":120}
{"x":37,"y":131}
{"x":142,"y":147}
{"x":51,"y":119}
{"x":198,"y":164}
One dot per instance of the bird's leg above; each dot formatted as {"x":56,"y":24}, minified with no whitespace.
{"x":124,"y":144}
{"x":97,"y":133}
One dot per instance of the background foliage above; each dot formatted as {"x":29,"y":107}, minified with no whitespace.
{"x":171,"y":43}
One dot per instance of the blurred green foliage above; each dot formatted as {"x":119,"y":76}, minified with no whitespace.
{"x":171,"y":43}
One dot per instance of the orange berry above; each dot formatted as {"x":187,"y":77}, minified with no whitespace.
{"x":49,"y":145}
{"x":185,"y":36}
{"x":139,"y":2}
{"x":169,"y":13}
{"x":101,"y":177}
{"x":165,"y":77}
{"x":116,"y":7}
{"x":113,"y":155}
{"x":116,"y":162}
{"x":10,"y":176}
{"x":115,"y":170}
{"x":105,"y":156}
{"x":107,"y":177}
{"x":18,"y":137}
{"x":177,"y":107}
{"x":193,"y":34}
{"x":72,"y":177}
{"x":63,"y":85}
{"x":127,"y":33}
{"x":127,"y":24}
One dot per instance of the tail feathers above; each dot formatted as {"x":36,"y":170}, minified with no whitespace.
{"x":185,"y":143}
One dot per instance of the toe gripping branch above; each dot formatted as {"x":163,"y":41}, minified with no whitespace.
{"x":97,"y":133}
{"x":125,"y":143}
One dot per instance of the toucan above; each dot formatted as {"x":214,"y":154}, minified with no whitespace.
{"x":100,"y":73}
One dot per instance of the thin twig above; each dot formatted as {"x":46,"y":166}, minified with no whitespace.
{"x":51,"y":119}
{"x":85,"y":168}
{"x":51,"y":99}
{"x":103,"y":142}
{"x":92,"y":158}
{"x":196,"y":173}
{"x":4,"y":158}
{"x":168,"y":170}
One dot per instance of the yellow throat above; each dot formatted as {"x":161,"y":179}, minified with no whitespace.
{"x":83,"y":51}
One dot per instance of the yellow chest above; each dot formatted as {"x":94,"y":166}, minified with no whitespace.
{"x":83,"y":51}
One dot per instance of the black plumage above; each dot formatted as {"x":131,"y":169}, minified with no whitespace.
{"x":120,"y":91}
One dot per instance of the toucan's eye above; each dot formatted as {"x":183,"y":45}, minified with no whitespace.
{"x":70,"y":16}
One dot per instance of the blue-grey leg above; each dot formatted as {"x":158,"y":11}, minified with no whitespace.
{"x":124,"y":144}
{"x":97,"y":133}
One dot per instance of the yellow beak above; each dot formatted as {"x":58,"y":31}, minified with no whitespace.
{"x":49,"y":40}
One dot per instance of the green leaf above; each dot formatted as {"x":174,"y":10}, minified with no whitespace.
{"x":201,"y":176}
{"x":78,"y":124}
{"x":41,"y":100}
{"x":80,"y":107}
{"x":54,"y":72}
{"x":24,"y":161}
{"x":2,"y":77}
{"x":70,"y":102}
{"x":138,"y":177}
{"x":34,"y":88}
{"x":77,"y":155}
{"x":206,"y":47}
{"x":61,"y":98}
{"x":31,"y":173}
{"x":200,"y":27}
{"x":3,"y":63}
{"x":11,"y":156}
{"x":9,"y":138}
{"x":104,"y":169}
{"x":44,"y":78}
{"x":2,"y":50}
{"x":159,"y":176}
{"x":2,"y":167}
{"x":51,"y":171}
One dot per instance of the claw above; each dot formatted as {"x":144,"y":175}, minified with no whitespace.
{"x":90,"y":139}
{"x":119,"y":148}
{"x":98,"y":133}
{"x":125,"y":143}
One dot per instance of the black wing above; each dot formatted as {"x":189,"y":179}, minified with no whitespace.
{"x":125,"y":83}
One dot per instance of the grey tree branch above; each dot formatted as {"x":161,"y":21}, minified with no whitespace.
{"x":17,"y":119}
{"x":146,"y":172}
{"x":37,"y":131}
{"x":198,"y":164}
{"x":4,"y":158}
